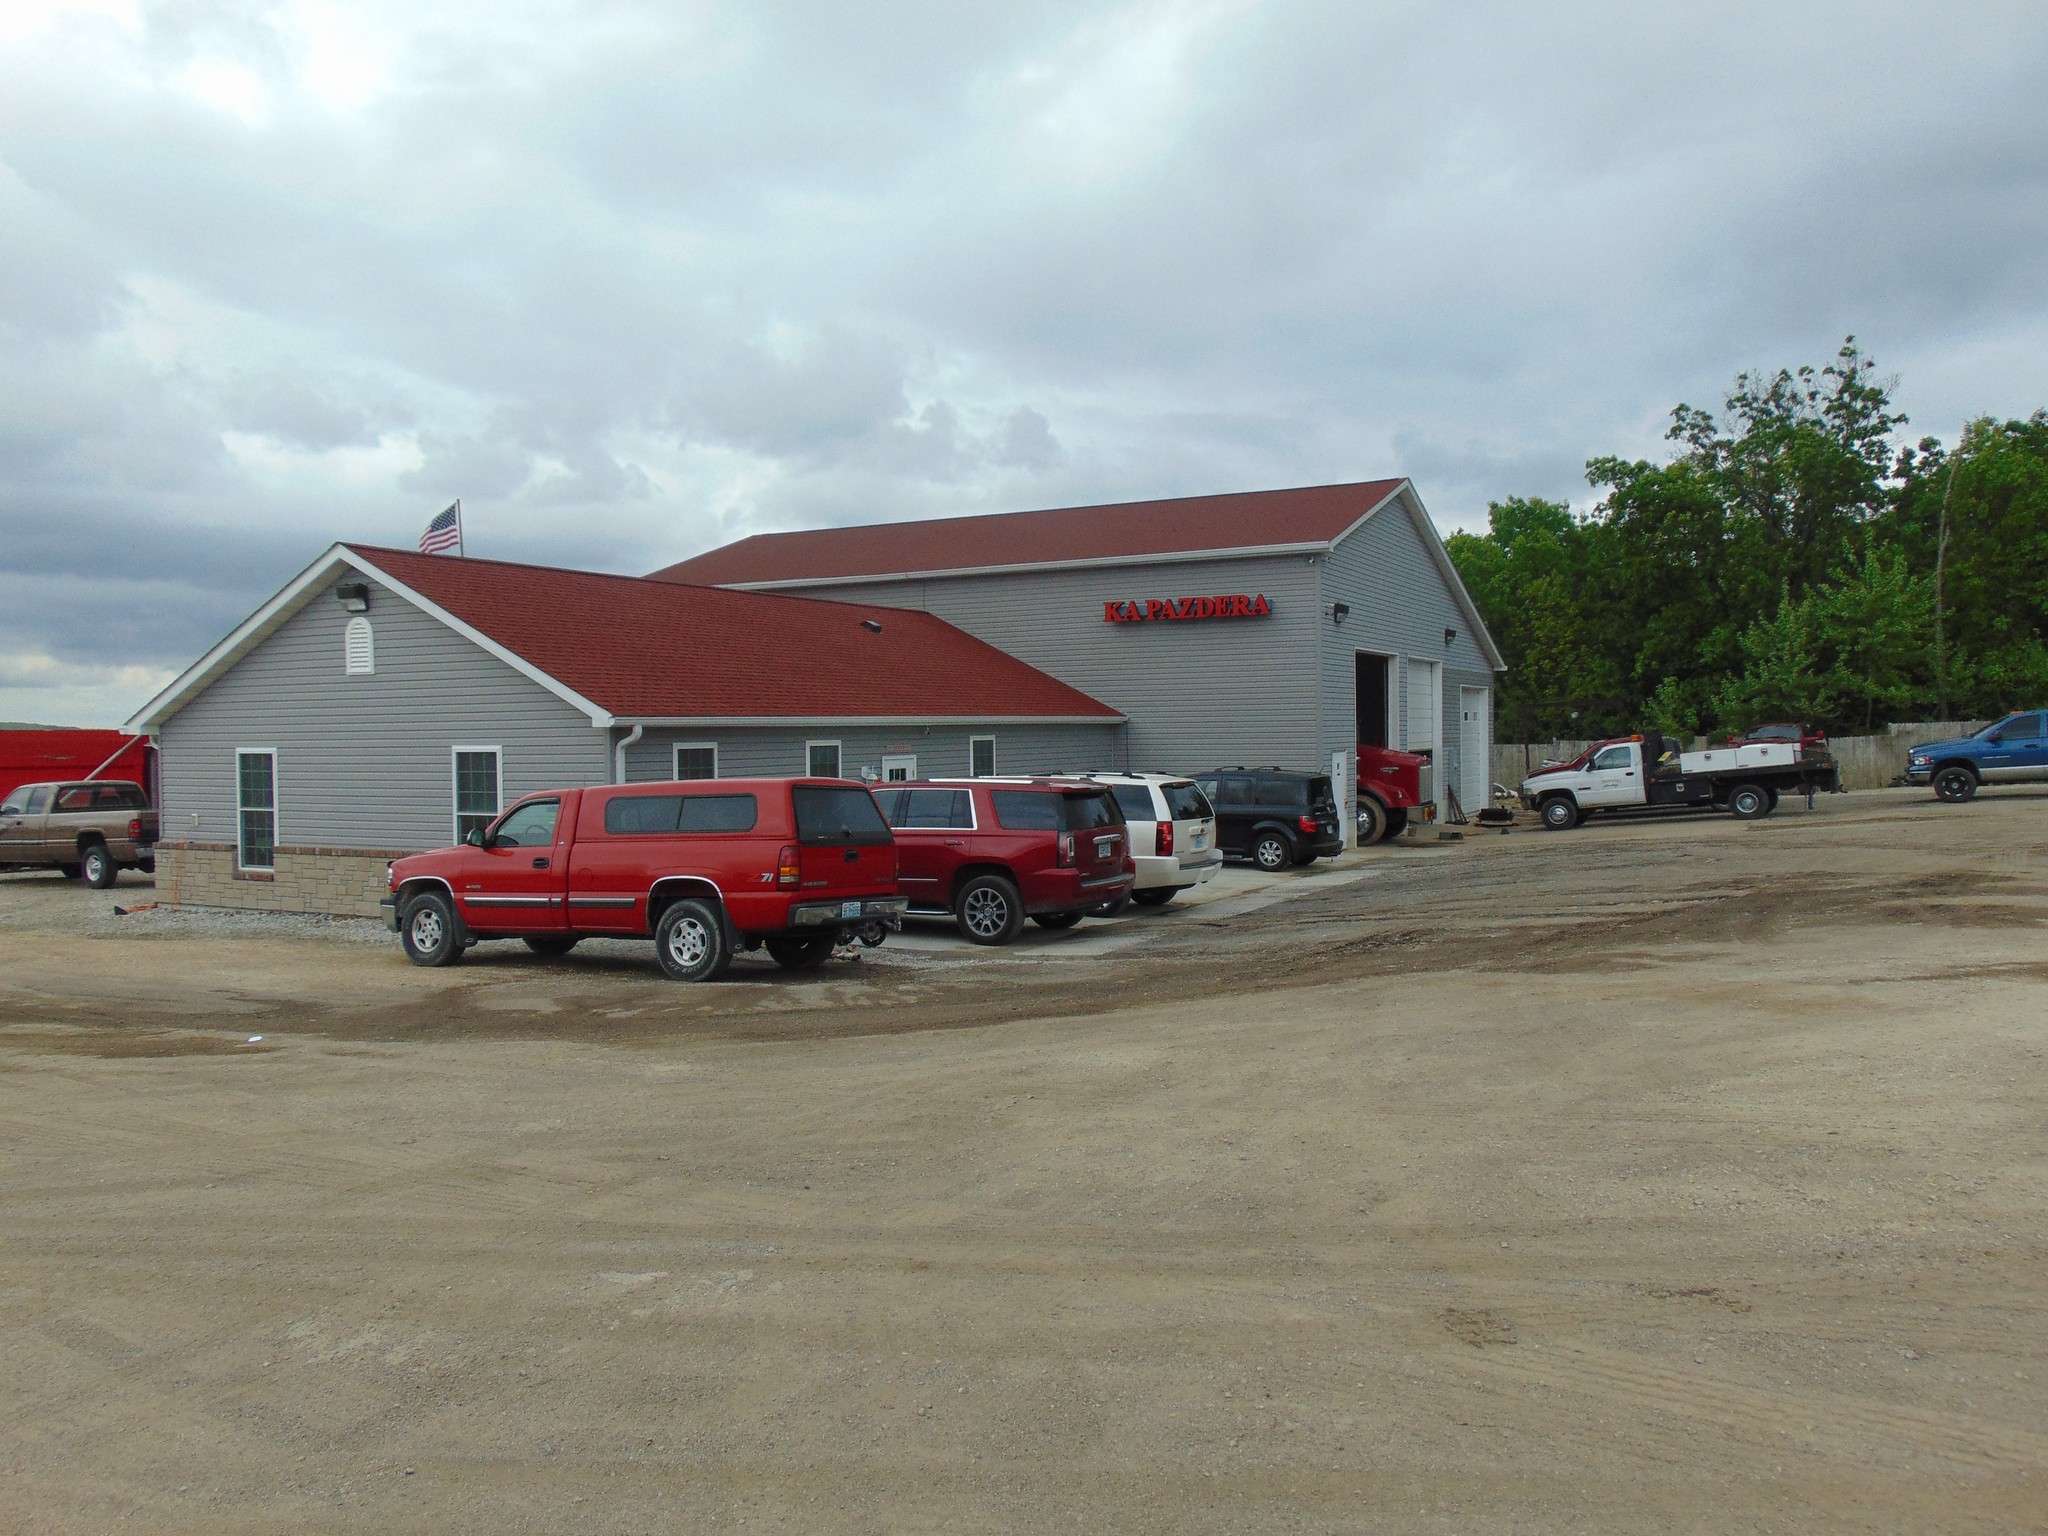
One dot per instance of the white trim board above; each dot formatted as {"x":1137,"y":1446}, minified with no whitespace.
{"x":854,"y":721}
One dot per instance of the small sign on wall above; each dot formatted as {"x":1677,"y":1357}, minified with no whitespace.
{"x":1238,"y":605}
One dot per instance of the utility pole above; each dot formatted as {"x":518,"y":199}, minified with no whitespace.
{"x":1940,"y":562}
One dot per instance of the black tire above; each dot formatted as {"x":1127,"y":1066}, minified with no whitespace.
{"x":97,"y":866}
{"x":873,"y":935}
{"x":1772,"y":791}
{"x":988,"y":910}
{"x":1372,"y":821}
{"x":1273,"y":851}
{"x":1058,"y":922}
{"x":68,"y":871}
{"x":1158,"y":896}
{"x":1115,"y":908}
{"x":428,"y":930}
{"x":1560,"y":813}
{"x":1749,"y":802}
{"x":551,"y":945}
{"x":689,"y":942}
{"x":802,"y":954}
{"x":147,"y":866}
{"x":1955,"y":784}
{"x":1397,"y":820}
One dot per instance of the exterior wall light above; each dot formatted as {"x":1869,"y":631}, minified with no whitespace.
{"x":1339,"y":612}
{"x":353,"y":596}
{"x":1450,"y":635}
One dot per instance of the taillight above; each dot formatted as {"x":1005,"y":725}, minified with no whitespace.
{"x":135,"y":827}
{"x":1163,"y":840}
{"x":788,"y":866}
{"x":1065,"y":856}
{"x":1306,"y":823}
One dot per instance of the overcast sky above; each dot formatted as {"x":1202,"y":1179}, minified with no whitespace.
{"x":635,"y":279}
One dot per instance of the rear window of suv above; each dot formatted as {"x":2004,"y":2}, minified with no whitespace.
{"x":1041,"y":810}
{"x":833,"y":815}
{"x":631,"y":815}
{"x":1185,"y":802}
{"x":1136,"y":799}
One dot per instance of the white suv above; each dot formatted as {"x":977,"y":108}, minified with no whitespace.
{"x":1172,"y":832}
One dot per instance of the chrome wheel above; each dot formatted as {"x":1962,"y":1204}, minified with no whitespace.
{"x":428,"y":930}
{"x":689,"y":941}
{"x":1272,"y":853}
{"x":986,"y":912}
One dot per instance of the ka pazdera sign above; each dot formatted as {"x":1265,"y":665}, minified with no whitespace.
{"x":1236,"y":606}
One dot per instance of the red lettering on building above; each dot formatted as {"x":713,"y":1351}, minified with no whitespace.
{"x":1222,"y":606}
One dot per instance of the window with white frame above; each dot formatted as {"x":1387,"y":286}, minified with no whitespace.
{"x":256,"y":808}
{"x":358,"y":648}
{"x":823,"y":759}
{"x":696,"y":759}
{"x":981,"y":757}
{"x":478,"y":789}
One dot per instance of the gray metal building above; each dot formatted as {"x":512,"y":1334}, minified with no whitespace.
{"x":1363,"y":632}
{"x":384,"y":700}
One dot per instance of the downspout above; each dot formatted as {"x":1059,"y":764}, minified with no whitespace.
{"x":619,"y":753}
{"x":125,"y":746}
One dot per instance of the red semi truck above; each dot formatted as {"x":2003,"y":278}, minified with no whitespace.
{"x":1390,"y":790}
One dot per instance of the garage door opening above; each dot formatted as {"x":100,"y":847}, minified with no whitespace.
{"x":1372,"y":696}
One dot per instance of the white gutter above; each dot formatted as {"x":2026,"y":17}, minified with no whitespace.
{"x":619,"y":753}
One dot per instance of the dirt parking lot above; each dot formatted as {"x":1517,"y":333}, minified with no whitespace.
{"x":1676,"y":1176}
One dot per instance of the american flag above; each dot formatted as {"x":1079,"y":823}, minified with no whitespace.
{"x":443,"y":533}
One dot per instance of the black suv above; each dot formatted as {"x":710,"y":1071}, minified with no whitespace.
{"x":1274,"y":817}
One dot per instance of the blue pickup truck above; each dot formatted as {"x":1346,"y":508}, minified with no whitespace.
{"x":2009,"y":751}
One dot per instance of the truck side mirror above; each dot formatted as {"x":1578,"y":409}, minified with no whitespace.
{"x":475,"y":838}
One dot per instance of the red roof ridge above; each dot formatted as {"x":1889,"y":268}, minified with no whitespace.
{"x":1174,"y":526}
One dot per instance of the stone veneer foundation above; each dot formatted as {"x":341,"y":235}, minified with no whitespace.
{"x":339,"y":881}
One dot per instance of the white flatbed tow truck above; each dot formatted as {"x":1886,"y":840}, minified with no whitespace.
{"x":1650,"y":772}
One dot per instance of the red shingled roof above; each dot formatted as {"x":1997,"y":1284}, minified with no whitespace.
{"x":660,"y":650}
{"x":1189,"y":525}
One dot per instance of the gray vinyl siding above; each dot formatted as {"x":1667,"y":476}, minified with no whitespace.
{"x":1199,"y":693}
{"x":1400,"y":607}
{"x":364,"y":762}
{"x":941,"y":750}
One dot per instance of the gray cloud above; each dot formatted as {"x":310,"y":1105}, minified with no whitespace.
{"x":635,"y":279}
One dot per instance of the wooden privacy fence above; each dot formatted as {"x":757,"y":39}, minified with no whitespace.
{"x":1868,"y":762}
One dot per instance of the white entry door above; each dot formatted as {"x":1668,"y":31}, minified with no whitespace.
{"x":898,"y":767}
{"x":1475,"y":733}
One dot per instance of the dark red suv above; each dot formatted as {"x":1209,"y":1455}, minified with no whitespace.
{"x":992,"y":851}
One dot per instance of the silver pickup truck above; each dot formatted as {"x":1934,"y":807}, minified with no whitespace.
{"x":92,"y":828}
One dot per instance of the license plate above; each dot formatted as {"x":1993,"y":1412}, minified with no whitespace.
{"x":1201,"y":840}
{"x":1103,"y":846}
{"x":849,"y":909}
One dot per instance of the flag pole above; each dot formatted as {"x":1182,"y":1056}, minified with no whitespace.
{"x":460,"y":551}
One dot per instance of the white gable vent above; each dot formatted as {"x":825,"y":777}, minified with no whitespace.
{"x":359,"y":648}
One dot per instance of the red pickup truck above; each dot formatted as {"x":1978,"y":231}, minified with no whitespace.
{"x":704,"y":868}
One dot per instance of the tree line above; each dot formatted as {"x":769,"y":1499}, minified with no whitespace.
{"x":1792,"y":560}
